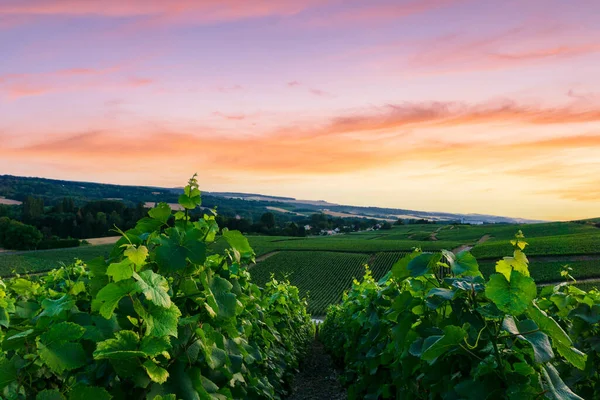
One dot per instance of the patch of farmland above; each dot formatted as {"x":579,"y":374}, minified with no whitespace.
{"x":573,"y":244}
{"x":174,"y":206}
{"x":359,"y":245}
{"x":45,"y":260}
{"x":382,"y":263}
{"x":324,"y":276}
{"x":549,"y":271}
{"x":9,"y":202}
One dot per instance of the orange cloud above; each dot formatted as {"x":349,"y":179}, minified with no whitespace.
{"x":330,"y":148}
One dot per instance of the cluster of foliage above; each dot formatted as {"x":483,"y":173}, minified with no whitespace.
{"x":16,"y":235}
{"x":92,"y":219}
{"x":414,"y":335}
{"x":163,"y":318}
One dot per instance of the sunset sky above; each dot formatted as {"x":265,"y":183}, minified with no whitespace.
{"x":440,"y":105}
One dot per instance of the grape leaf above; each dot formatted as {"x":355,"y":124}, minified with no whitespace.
{"x":511,"y":297}
{"x":160,"y":212}
{"x":61,"y":356}
{"x":556,"y":386}
{"x":50,"y":395}
{"x":123,"y":346}
{"x":153,"y":346}
{"x":8,"y":372}
{"x":154,"y":286}
{"x":156,"y":373}
{"x":83,"y":392}
{"x":462,"y":264}
{"x":136,"y":255}
{"x":110,"y":295}
{"x":52,"y":308}
{"x":121,"y":270}
{"x":163,"y":321}
{"x":453,"y":335}
{"x":239,"y":244}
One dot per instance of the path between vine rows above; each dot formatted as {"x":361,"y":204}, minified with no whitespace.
{"x":318,"y":378}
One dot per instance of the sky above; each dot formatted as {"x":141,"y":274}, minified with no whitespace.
{"x":470,"y":106}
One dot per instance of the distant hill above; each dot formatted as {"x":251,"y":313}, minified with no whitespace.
{"x":53,"y":190}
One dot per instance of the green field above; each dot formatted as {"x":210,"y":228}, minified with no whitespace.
{"x":325,"y":266}
{"x":321,"y":275}
{"x":45,"y":260}
{"x":549,"y":271}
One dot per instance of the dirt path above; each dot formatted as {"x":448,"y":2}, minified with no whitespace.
{"x":266,"y":255}
{"x":318,"y":378}
{"x":103,"y":240}
{"x":467,"y":247}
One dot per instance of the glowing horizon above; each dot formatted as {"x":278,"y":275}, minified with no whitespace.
{"x":438,"y":105}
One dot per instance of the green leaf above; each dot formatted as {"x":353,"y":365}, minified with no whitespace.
{"x":420,"y":265}
{"x":400,"y":268}
{"x":462,"y":264}
{"x":444,"y":293}
{"x":53,"y":308}
{"x":517,"y":263}
{"x":50,"y":395}
{"x":160,"y":212}
{"x":239,"y":244}
{"x":549,"y":326}
{"x":136,"y":255}
{"x":8,"y":372}
{"x":512,"y":297}
{"x":144,"y":225}
{"x":572,"y":355}
{"x":217,"y":357}
{"x":453,"y":336}
{"x":83,"y":392}
{"x":121,"y":270}
{"x":526,"y":330}
{"x":163,"y":321}
{"x":122,"y":347}
{"x":110,"y":295}
{"x":196,"y":250}
{"x":589,"y":314}
{"x":156,"y":373}
{"x":153,"y":346}
{"x":63,"y":331}
{"x":523,"y":368}
{"x":556,"y":386}
{"x":170,"y":256}
{"x":61,"y":356}
{"x":190,"y":202}
{"x":154,"y":287}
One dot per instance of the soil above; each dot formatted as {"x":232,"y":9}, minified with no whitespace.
{"x":318,"y":378}
{"x":103,"y":240}
{"x":265,"y":256}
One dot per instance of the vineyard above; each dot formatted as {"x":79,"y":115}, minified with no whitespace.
{"x":181,"y":310}
{"x":159,"y":318}
{"x":323,"y":276}
{"x":415,"y":335}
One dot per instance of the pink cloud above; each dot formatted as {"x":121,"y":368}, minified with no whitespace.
{"x":19,"y":85}
{"x":230,"y":117}
{"x":320,"y":93}
{"x":159,"y":11}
